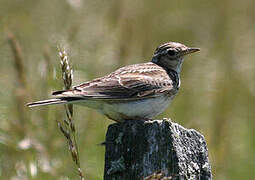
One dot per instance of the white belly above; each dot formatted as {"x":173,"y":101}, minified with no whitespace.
{"x":143,"y":109}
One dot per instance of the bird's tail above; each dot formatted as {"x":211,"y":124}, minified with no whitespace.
{"x":47,"y":102}
{"x":63,"y":97}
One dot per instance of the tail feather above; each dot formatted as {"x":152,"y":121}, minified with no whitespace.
{"x":60,"y":100}
{"x":63,"y":97}
{"x":58,"y":92}
{"x":47,"y":102}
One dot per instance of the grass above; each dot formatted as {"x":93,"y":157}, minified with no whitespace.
{"x":216,"y":96}
{"x":67,"y":127}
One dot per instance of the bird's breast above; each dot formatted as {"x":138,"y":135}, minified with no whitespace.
{"x":137,"y":109}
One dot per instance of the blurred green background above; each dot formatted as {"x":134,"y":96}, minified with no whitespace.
{"x":217,"y":96}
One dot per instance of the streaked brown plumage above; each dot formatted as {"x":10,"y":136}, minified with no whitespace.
{"x":131,"y":91}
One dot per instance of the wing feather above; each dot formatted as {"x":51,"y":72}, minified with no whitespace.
{"x":130,"y":82}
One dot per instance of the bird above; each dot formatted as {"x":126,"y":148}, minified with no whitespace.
{"x":133,"y":92}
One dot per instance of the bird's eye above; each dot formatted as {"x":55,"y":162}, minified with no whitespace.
{"x":171,"y":52}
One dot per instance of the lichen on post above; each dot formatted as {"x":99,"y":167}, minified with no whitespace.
{"x":157,"y":148}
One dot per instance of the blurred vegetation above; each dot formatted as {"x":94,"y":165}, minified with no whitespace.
{"x":217,"y":96}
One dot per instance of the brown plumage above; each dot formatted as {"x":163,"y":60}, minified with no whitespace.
{"x":130,"y":85}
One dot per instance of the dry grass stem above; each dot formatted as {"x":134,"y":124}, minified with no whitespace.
{"x":67,"y":72}
{"x":18,"y":59}
{"x":68,"y":127}
{"x":21,"y":93}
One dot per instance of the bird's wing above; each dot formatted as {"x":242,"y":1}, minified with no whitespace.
{"x":130,"y":82}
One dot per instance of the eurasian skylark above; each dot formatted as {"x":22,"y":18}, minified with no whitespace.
{"x":139,"y":91}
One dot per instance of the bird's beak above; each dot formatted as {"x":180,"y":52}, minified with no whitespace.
{"x":191,"y":50}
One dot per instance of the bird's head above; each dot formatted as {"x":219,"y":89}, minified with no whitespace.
{"x":171,"y":55}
